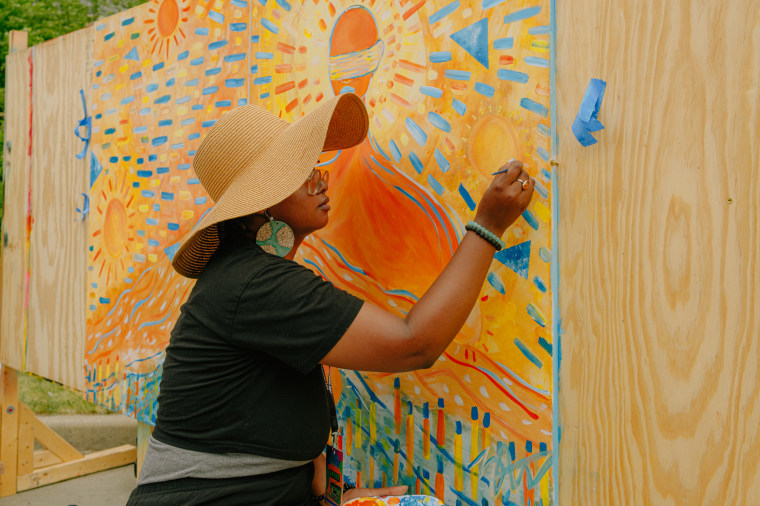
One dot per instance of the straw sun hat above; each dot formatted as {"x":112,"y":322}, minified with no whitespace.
{"x":250,"y":160}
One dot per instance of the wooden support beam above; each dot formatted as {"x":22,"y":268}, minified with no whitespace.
{"x":8,"y":429}
{"x":91,"y":463}
{"x":49,"y":438}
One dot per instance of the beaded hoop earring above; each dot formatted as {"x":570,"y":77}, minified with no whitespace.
{"x":275,"y":237}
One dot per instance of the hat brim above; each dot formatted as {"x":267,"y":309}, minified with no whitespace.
{"x":338,"y":123}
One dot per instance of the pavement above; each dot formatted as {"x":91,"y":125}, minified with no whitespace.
{"x":87,"y":433}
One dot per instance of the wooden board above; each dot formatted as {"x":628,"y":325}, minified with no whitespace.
{"x":659,"y":254}
{"x":16,"y":160}
{"x":55,"y":342}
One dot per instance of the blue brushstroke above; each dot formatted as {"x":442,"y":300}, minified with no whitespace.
{"x":532,"y":221}
{"x":416,"y":163}
{"x":132,"y":55}
{"x":467,"y":198}
{"x":430,"y":91}
{"x":443,"y":163}
{"x":157,"y":322}
{"x":443,"y":12}
{"x":528,"y":354}
{"x":354,"y":268}
{"x":512,"y":75}
{"x":439,"y":122}
{"x":505,"y":43}
{"x":435,"y":185}
{"x":537,"y":62}
{"x":417,"y":133}
{"x":270,"y":26}
{"x":459,"y":106}
{"x":215,"y":16}
{"x":457,"y":75}
{"x":485,"y":89}
{"x":546,"y":345}
{"x":533,"y":106}
{"x":522,"y":14}
{"x":496,"y":283}
{"x":440,"y":56}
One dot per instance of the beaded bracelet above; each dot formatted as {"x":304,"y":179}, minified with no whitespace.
{"x":486,"y":234}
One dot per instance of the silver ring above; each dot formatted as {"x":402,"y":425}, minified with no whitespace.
{"x":524,"y":183}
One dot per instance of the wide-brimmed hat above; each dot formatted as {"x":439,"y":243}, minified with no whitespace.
{"x":250,"y":160}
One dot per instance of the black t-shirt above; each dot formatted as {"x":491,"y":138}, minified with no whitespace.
{"x":241,"y":370}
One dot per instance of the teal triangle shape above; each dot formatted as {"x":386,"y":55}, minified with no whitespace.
{"x":171,"y":251}
{"x":132,"y":54}
{"x":474,"y":40}
{"x":95,"y":168}
{"x":516,"y":258}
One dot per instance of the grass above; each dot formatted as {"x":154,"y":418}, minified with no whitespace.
{"x":45,"y":397}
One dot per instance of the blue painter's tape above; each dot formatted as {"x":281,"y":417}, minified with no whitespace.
{"x":440,"y":56}
{"x":439,"y":122}
{"x":485,"y":89}
{"x":441,"y":160}
{"x":522,"y":14}
{"x":417,"y":133}
{"x":430,"y":91}
{"x":534,"y":106}
{"x":466,"y":197}
{"x":528,"y":354}
{"x":496,"y":283}
{"x":459,"y":106}
{"x":443,"y":12}
{"x":458,"y":75}
{"x":512,"y":75}
{"x":416,"y":163}
{"x":435,"y":185}
{"x":586,"y":121}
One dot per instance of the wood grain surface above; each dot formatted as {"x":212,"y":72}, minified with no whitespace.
{"x":659,"y":249}
{"x":16,"y":166}
{"x":57,"y":298}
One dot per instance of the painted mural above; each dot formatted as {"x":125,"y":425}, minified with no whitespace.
{"x":453,"y":90}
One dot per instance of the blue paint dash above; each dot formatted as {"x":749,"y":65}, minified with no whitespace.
{"x":214,"y":71}
{"x":395,"y":152}
{"x":533,"y":106}
{"x":172,"y":226}
{"x":238,"y":27}
{"x":443,"y":163}
{"x":153,"y":242}
{"x":151,"y":87}
{"x":200,"y":201}
{"x":488,"y":4}
{"x":167,"y":196}
{"x":162,"y":100}
{"x":439,"y":122}
{"x":104,"y":300}
{"x":546,"y":345}
{"x":263,"y":80}
{"x":148,"y":194}
{"x":127,"y":100}
{"x":535,"y":313}
{"x":128,"y":21}
{"x":496,"y":283}
{"x":284,"y":4}
{"x":512,"y":75}
{"x":505,"y":43}
{"x":108,"y":36}
{"x":162,"y":170}
{"x":183,"y":55}
{"x":235,"y":57}
{"x":201,"y":31}
{"x":157,"y":141}
{"x":485,"y":89}
{"x":443,"y":12}
{"x":243,"y":4}
{"x":522,"y":14}
{"x":540,"y":284}
{"x":416,"y":163}
{"x":528,"y":354}
{"x":136,"y":75}
{"x":440,"y":56}
{"x":208,"y":123}
{"x":183,"y":166}
{"x":459,"y":106}
{"x":165,"y":122}
{"x":219,"y":18}
{"x":544,"y":254}
{"x":144,"y":173}
{"x":234,"y":83}
{"x":183,"y":100}
{"x":457,"y":75}
{"x":537,"y":62}
{"x":532,"y":221}
{"x":210,"y":90}
{"x":543,"y":153}
{"x":540,"y":30}
{"x":254,"y":69}
{"x":170,"y":82}
{"x":430,"y":91}
{"x":466,"y":197}
{"x":435,"y":185}
{"x":264,"y":55}
{"x":270,"y":26}
{"x":158,"y":66}
{"x":254,"y":39}
{"x":197,"y":61}
{"x":217,"y":45}
{"x":151,"y":221}
{"x":223,"y":103}
{"x":417,"y":133}
{"x":109,"y":131}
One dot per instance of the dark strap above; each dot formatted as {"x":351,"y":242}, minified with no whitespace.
{"x":331,"y":402}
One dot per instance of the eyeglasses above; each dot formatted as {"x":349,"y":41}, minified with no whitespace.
{"x":317,"y":181}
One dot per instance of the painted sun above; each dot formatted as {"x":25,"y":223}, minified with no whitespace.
{"x":165,"y":19}
{"x":113,"y":241}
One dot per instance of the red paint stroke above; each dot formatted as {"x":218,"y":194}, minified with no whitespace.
{"x":414,"y":9}
{"x":496,"y":384}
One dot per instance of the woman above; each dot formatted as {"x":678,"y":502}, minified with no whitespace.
{"x":243,"y":409}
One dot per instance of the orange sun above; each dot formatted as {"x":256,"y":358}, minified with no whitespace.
{"x":168,"y":15}
{"x":113,"y":241}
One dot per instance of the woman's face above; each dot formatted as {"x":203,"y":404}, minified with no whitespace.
{"x":303,"y":212}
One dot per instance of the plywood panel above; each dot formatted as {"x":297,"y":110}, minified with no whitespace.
{"x":16,"y":156}
{"x":58,"y":242}
{"x":659,"y":254}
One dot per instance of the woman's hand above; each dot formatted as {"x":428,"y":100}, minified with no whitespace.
{"x":356,"y":493}
{"x":506,"y":198}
